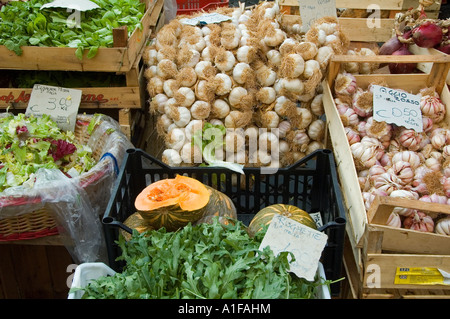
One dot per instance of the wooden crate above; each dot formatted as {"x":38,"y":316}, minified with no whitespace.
{"x":372,"y":243}
{"x":119,"y":58}
{"x":359,"y":29}
{"x":425,"y":67}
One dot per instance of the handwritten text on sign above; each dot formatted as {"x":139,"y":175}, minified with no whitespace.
{"x":305,"y":243}
{"x":397,"y":107}
{"x":60,"y":103}
{"x":311,"y":10}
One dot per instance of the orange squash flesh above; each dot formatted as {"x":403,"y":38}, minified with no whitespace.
{"x":172,"y":203}
{"x":187,"y":192}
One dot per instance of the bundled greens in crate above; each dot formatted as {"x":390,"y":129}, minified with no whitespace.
{"x":25,"y":23}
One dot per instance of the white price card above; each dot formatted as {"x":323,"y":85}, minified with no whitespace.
{"x":306,"y":244}
{"x":80,"y":5}
{"x":311,"y":10}
{"x":60,"y":103}
{"x":397,"y":107}
{"x":206,"y":18}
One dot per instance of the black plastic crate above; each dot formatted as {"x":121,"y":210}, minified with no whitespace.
{"x":310,"y":184}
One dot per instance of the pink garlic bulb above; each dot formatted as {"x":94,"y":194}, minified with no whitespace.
{"x":364,"y":155}
{"x":372,"y":141}
{"x":427,"y":124}
{"x":345,"y":83}
{"x":434,"y":198}
{"x":352,"y":135}
{"x":394,"y":220}
{"x":432,"y":107}
{"x":379,"y":130}
{"x":403,"y":171}
{"x":446,"y":185}
{"x":419,"y":221}
{"x":440,"y":137}
{"x":361,"y":127}
{"x":408,"y":156}
{"x":386,"y":159}
{"x":348,"y":115}
{"x":386,"y":182}
{"x":410,"y":139}
{"x":363,"y":102}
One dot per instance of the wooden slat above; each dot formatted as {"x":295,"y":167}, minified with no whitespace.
{"x":370,"y":242}
{"x":96,"y":97}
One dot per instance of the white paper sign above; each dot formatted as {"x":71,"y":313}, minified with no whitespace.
{"x":80,"y":5}
{"x":397,"y":107}
{"x":311,"y":10}
{"x":206,"y":19}
{"x":61,"y":104}
{"x":305,"y":243}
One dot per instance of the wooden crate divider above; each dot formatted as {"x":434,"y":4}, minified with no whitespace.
{"x":373,"y":244}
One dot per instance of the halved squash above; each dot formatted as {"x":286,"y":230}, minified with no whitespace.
{"x":173,"y":202}
{"x":265,"y":215}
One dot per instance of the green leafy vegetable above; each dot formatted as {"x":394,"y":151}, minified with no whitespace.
{"x":203,"y":261}
{"x":23,"y":23}
{"x":30,"y":143}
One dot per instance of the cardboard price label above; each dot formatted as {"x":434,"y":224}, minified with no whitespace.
{"x":306,"y":244}
{"x":61,"y":104}
{"x":397,"y":107}
{"x":311,"y":10}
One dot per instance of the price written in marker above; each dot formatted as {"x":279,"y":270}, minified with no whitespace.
{"x":306,"y":244}
{"x":60,"y":103}
{"x":397,"y":107}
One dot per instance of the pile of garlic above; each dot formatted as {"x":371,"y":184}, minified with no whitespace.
{"x":249,"y":73}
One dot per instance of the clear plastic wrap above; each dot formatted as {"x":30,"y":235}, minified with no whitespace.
{"x":76,"y":203}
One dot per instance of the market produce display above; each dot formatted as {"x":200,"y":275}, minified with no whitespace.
{"x":393,"y":160}
{"x":414,"y":27}
{"x":24,"y":23}
{"x":29,"y":143}
{"x":206,"y":261}
{"x":248,"y":73}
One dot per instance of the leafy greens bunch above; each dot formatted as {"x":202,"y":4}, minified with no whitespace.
{"x":206,"y":261}
{"x":28,"y":143}
{"x":23,"y":23}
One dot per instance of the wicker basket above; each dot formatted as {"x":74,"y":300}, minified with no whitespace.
{"x":40,"y":222}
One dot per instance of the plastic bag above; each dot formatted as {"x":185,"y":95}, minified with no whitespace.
{"x":170,"y":10}
{"x":78,"y":224}
{"x":76,"y":203}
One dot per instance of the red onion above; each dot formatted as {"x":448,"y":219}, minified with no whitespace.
{"x":427,"y":35}
{"x":444,"y":48}
{"x":402,"y":68}
{"x":390,"y":46}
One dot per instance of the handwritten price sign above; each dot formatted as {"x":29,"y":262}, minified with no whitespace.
{"x":397,"y":107}
{"x":61,"y":104}
{"x":305,"y":243}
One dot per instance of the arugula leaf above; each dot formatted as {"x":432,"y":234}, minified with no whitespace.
{"x":201,"y":261}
